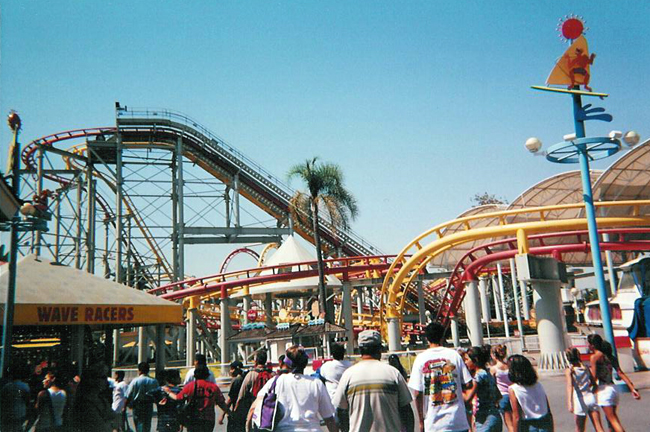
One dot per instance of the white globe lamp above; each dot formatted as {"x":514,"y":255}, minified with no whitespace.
{"x":631,"y":138}
{"x":533,"y":144}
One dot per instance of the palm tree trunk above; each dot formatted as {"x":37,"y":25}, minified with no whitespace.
{"x":322,"y":293}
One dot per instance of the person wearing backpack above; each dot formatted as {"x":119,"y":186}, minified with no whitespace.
{"x":202,"y":396}
{"x":253,"y":382}
{"x":294,"y":401}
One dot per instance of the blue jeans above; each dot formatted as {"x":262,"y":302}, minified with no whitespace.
{"x":489,"y":422}
{"x":142,"y":417}
{"x":504,"y":403}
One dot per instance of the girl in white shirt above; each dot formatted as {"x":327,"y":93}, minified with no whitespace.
{"x":530,"y":408}
{"x":581,"y":400}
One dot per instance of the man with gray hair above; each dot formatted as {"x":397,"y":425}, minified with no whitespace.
{"x":374,"y":393}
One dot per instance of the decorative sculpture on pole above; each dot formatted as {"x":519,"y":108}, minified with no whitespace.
{"x":573,"y":70}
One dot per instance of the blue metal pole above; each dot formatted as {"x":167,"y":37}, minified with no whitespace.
{"x":587,"y":195}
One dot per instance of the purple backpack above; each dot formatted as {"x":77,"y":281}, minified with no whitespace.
{"x":269,"y":413}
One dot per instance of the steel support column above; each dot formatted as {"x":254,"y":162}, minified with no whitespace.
{"x":190,"y":350}
{"x":181,"y":209}
{"x":455,"y":336}
{"x":485,"y":299}
{"x":347,"y":316}
{"x":119,"y":184}
{"x":77,"y":240}
{"x":268,"y":310}
{"x":224,"y":334}
{"x":548,"y":312}
{"x":359,"y":301}
{"x":523,"y":288}
{"x":513,"y":278}
{"x":90,"y":223}
{"x":394,"y":335}
{"x":503,"y":300}
{"x":610,"y":266}
{"x":473,"y":305}
{"x":422,"y":310}
{"x":161,"y":357}
{"x":57,"y":227}
{"x":39,"y":191}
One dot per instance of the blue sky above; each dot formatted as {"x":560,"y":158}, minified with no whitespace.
{"x":422,"y":103}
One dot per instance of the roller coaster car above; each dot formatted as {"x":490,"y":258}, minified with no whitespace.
{"x":634,"y":284}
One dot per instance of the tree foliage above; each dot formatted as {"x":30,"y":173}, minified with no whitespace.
{"x":485,"y":198}
{"x":325,"y":194}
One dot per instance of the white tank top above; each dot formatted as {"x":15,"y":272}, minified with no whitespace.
{"x":58,"y":404}
{"x":532,"y":400}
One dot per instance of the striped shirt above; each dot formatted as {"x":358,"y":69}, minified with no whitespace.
{"x":373,"y":392}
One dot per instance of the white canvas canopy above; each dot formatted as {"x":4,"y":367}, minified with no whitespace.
{"x":48,"y":293}
{"x":289,"y":253}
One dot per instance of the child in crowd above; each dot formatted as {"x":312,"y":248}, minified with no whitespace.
{"x":486,"y":414}
{"x":602,"y":364}
{"x":500,"y":373}
{"x":530,"y":408}
{"x":581,"y":400}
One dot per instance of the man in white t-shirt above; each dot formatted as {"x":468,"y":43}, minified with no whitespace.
{"x":332,"y":370}
{"x":374,"y":393}
{"x":438,"y":378}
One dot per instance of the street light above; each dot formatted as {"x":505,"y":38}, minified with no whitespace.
{"x":577,"y":148}
{"x":14,"y":165}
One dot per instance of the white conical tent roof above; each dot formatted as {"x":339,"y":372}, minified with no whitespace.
{"x":291,"y":252}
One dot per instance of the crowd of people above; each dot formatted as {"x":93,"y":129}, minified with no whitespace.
{"x":479,"y":389}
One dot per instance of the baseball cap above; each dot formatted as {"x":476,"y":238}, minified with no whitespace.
{"x":369,"y":338}
{"x":236,"y":365}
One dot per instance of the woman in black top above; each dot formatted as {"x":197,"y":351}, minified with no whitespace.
{"x":237,"y":420}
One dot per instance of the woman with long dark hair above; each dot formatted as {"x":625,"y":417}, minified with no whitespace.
{"x":530,"y":408}
{"x":486,"y":415}
{"x":602,"y":364}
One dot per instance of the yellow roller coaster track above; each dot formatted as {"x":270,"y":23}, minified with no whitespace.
{"x":437,"y":240}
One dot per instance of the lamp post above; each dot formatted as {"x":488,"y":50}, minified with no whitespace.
{"x":7,"y":329}
{"x":577,"y":148}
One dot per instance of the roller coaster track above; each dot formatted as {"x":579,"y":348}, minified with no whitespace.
{"x":233,"y":254}
{"x":472,"y":263}
{"x":224,"y":162}
{"x":72,"y":158}
{"x":399,"y":281}
{"x":162,"y":128}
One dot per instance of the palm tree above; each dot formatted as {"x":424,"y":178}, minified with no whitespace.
{"x":325,"y":192}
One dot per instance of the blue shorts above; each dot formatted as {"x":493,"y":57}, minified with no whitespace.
{"x":504,"y":403}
